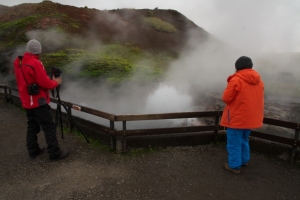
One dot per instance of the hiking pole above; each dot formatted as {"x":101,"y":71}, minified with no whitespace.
{"x":58,"y":115}
{"x":56,"y":72}
{"x":70,"y":117}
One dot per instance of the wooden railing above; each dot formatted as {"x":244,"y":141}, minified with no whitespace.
{"x":118,"y":138}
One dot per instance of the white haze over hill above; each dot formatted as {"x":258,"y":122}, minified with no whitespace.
{"x":265,"y":30}
{"x":256,"y":25}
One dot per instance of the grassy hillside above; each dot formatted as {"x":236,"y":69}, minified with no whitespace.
{"x":114,"y":63}
{"x":133,"y":44}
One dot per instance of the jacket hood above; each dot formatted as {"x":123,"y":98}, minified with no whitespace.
{"x":249,"y":75}
{"x":27,"y":56}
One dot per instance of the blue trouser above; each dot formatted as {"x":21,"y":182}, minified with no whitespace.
{"x":238,"y":147}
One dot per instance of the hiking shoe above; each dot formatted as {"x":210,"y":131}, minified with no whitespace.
{"x":40,"y":151}
{"x":236,"y":171}
{"x":63,"y":155}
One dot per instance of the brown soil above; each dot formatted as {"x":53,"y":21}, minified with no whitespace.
{"x":109,"y":26}
{"x":96,"y":173}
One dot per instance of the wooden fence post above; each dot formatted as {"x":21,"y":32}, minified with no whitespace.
{"x":124,"y":138}
{"x":10,"y":96}
{"x":71,"y":124}
{"x":217,"y":119}
{"x":5,"y":94}
{"x":112,"y":138}
{"x":294,"y":149}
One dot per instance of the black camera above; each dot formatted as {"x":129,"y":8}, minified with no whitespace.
{"x":56,"y":72}
{"x":33,"y":89}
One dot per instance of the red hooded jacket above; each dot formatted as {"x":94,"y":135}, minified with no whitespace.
{"x":244,"y":98}
{"x":34,"y":73}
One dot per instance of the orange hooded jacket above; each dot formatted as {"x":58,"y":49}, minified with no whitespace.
{"x":244,"y":98}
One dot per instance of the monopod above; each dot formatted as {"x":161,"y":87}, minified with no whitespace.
{"x":56,"y":72}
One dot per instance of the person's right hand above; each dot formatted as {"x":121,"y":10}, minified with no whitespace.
{"x":58,"y":80}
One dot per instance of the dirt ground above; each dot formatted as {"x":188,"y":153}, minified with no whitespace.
{"x":92,"y":172}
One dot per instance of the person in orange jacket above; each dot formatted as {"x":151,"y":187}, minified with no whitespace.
{"x":34,"y":85}
{"x":244,"y":110}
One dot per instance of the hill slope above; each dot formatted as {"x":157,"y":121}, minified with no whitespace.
{"x":151,"y":34}
{"x":122,"y":25}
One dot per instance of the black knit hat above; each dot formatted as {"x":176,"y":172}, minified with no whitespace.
{"x":243,"y":63}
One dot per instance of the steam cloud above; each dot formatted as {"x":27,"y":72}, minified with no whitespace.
{"x":201,"y":69}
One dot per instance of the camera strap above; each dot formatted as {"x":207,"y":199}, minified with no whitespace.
{"x":22,"y":70}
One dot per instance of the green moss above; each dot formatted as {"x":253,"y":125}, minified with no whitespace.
{"x":115,"y":63}
{"x":13,"y":33}
{"x":160,"y":25}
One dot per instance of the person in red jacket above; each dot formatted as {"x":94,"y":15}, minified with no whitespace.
{"x":244,"y":110}
{"x":30,"y":72}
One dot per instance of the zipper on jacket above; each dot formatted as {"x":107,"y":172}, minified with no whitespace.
{"x":31,"y":101}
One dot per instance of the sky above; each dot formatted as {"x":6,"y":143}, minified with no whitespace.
{"x":263,"y":25}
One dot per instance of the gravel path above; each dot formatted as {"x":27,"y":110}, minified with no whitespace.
{"x":92,"y":172}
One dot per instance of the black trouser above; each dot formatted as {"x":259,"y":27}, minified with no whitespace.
{"x":41,"y":117}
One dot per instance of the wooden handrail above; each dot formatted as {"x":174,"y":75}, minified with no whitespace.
{"x":295,"y":142}
{"x":180,"y":115}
